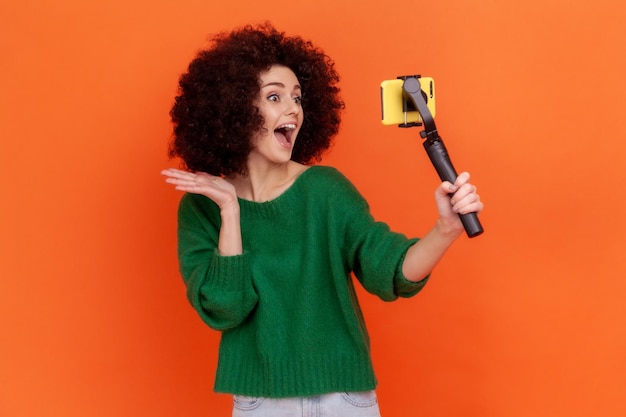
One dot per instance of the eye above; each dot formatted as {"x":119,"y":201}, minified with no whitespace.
{"x":297,"y":99}
{"x":273,"y":97}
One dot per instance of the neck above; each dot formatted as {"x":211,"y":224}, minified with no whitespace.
{"x":267,"y":182}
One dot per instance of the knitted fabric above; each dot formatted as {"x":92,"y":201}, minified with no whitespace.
{"x":287,"y":308}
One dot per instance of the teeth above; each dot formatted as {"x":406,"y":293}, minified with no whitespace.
{"x":288,"y":126}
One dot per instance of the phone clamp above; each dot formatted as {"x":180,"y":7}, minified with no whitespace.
{"x":408,"y":105}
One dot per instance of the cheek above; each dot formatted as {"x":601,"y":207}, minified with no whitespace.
{"x":259,"y":137}
{"x":301,"y":119}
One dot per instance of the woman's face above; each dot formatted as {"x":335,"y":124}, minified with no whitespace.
{"x":280,"y":105}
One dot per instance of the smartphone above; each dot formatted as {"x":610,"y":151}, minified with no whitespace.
{"x":396,"y":110}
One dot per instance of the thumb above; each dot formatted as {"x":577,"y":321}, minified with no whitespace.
{"x":445,"y":189}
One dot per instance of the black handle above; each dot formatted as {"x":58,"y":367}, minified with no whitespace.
{"x":438,"y":155}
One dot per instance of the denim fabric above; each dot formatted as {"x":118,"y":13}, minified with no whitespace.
{"x":344,"y":404}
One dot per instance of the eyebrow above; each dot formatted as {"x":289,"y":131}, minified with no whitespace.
{"x":279,"y":84}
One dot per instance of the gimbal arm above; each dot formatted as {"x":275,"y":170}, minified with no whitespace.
{"x":435,"y":148}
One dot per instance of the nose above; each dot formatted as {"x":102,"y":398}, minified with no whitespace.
{"x":293,"y":107}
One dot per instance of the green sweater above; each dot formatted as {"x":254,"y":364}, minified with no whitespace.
{"x":287,"y":309}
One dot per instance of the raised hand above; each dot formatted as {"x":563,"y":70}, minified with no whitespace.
{"x":216,"y":188}
{"x":223,"y":194}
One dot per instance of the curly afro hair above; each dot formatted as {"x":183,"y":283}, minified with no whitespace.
{"x":214,"y":116}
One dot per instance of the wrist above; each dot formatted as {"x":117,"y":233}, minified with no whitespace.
{"x":229,"y":209}
{"x":449,"y":229}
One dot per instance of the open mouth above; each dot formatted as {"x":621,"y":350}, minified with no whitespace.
{"x":284,"y":134}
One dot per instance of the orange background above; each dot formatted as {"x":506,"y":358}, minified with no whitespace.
{"x":525,"y":320}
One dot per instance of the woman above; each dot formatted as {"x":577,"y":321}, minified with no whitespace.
{"x":268,"y":241}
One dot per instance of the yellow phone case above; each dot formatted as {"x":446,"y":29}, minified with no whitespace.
{"x":391,"y":101}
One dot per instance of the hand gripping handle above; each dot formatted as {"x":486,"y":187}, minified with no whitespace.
{"x":438,"y":155}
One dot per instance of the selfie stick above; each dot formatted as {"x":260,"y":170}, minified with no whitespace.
{"x":435,"y":148}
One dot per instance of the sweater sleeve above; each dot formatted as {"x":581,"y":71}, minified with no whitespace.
{"x":218,"y":287}
{"x":376,"y":253}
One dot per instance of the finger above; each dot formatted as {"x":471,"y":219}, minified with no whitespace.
{"x":468,"y":204}
{"x":200,"y":183}
{"x":445,"y":189}
{"x":462,"y":178}
{"x":475,"y":207}
{"x":177,"y":173}
{"x":169,"y":171}
{"x":463,"y":191}
{"x":179,"y":181}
